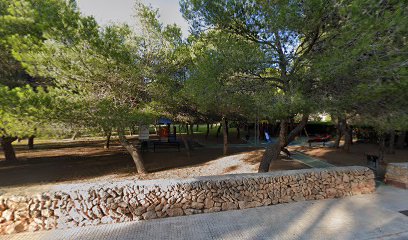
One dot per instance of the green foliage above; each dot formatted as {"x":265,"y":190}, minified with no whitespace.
{"x":22,"y":110}
{"x":100,"y":72}
{"x":246,"y":58}
{"x":218,"y":82}
{"x":286,"y":32}
{"x":166,"y":59}
{"x":362,"y":64}
{"x":348,"y":58}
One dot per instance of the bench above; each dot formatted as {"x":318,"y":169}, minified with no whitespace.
{"x":166,"y":145}
{"x":323,"y":139}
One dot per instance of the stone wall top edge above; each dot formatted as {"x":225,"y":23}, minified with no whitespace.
{"x":163,"y":183}
{"x":400,"y":164}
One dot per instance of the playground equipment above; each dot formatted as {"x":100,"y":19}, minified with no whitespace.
{"x":323,"y":139}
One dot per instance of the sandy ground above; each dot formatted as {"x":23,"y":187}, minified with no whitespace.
{"x":79,"y":161}
{"x":356,"y":156}
{"x":240,"y":162}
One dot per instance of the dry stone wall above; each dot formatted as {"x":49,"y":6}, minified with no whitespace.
{"x":397,"y":174}
{"x":111,"y":202}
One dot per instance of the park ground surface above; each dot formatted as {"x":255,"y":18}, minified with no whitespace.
{"x":373,"y":216}
{"x":370,"y":216}
{"x":66,"y":161}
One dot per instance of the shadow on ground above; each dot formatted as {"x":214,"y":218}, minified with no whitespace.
{"x":356,"y":156}
{"x":85,"y":160}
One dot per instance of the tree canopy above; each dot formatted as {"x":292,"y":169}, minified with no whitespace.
{"x":281,"y":60}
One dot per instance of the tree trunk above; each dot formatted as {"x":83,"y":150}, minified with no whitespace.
{"x":226,"y":127}
{"x":347,"y":137}
{"x":401,"y":140}
{"x":75,"y":135}
{"x":191,"y":130}
{"x":339,"y":132}
{"x":381,"y":148}
{"x":208,"y":131}
{"x":225,"y":135}
{"x":347,"y":143}
{"x":273,"y":150}
{"x":186,"y":142}
{"x":31,"y":142}
{"x":107,"y":140}
{"x":238,"y":132}
{"x":219,"y":130}
{"x":6,"y":144}
{"x":186,"y":145}
{"x":271,"y":153}
{"x":197,"y":128}
{"x":351,"y":135}
{"x":390,"y":149}
{"x":133,"y":151}
{"x":188,"y":129}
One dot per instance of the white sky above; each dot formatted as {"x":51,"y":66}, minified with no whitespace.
{"x":122,"y":11}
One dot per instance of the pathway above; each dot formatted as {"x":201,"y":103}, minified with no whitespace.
{"x":373,"y":216}
{"x":296,"y":155}
{"x":310,"y":161}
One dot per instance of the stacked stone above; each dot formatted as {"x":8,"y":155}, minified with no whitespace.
{"x":397,"y":174}
{"x":127,"y":201}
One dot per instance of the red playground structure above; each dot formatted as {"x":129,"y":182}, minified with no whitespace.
{"x":322,"y":138}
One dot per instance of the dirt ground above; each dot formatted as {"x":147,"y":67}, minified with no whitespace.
{"x":356,"y":156}
{"x":79,"y":161}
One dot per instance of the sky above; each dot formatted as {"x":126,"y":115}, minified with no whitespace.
{"x":122,"y":11}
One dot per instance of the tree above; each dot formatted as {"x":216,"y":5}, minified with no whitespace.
{"x":14,"y":24}
{"x":107,"y":72}
{"x":362,"y":69}
{"x":168,"y":59}
{"x":287,"y":32}
{"x":217,"y":82}
{"x":22,"y":110}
